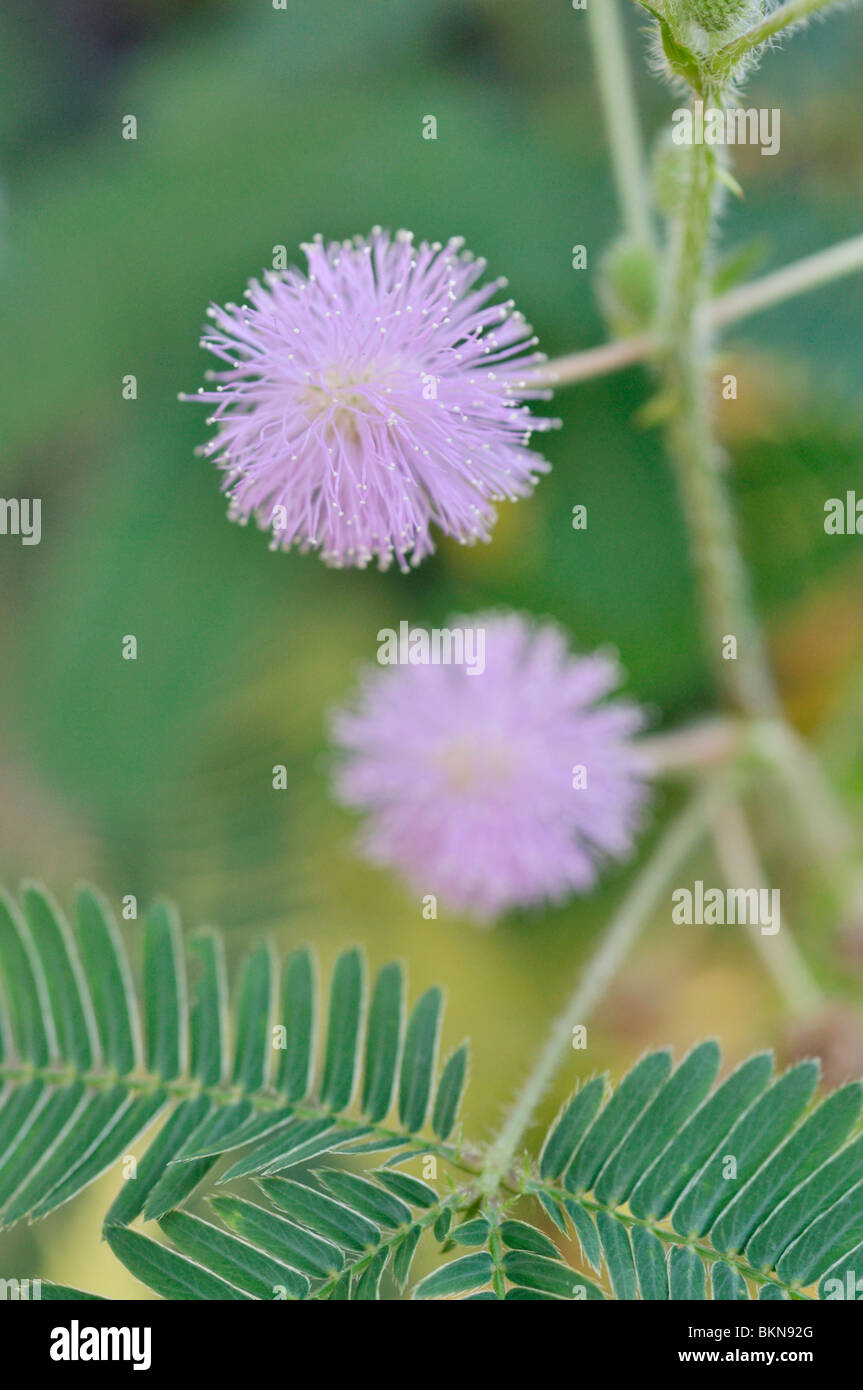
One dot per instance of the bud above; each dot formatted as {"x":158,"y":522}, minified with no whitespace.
{"x":628,"y":287}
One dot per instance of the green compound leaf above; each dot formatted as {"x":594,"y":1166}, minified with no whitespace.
{"x":666,"y":1185}
{"x":765,"y":1188}
{"x":82,"y":1089}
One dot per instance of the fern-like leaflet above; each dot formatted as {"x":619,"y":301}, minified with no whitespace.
{"x":675,"y":1187}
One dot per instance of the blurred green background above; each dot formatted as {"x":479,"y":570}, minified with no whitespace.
{"x":259,"y":127}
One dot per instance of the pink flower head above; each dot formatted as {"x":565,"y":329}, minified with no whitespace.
{"x":497,"y":789}
{"x":379,"y":393}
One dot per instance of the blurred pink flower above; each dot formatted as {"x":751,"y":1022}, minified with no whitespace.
{"x":499,"y":790}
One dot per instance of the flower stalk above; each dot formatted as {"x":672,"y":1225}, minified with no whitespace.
{"x":801,"y":277}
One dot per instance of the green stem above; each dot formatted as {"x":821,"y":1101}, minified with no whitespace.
{"x":679,"y":839}
{"x":746,"y":680}
{"x":614,"y":79}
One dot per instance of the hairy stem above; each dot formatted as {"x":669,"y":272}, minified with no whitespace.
{"x":743,"y":673}
{"x":677,"y":842}
{"x":745,"y":681}
{"x":614,"y":80}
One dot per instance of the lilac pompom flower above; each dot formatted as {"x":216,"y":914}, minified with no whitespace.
{"x":379,"y":393}
{"x":500,"y":787}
